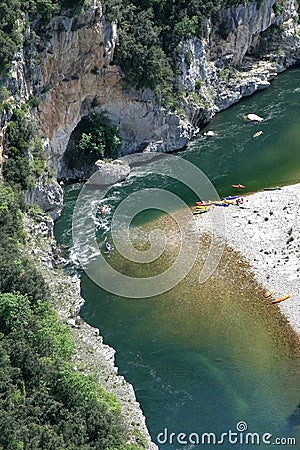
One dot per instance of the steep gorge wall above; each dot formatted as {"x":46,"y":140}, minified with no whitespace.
{"x":73,"y":75}
{"x":77,"y":73}
{"x":235,"y":59}
{"x":242,"y":52}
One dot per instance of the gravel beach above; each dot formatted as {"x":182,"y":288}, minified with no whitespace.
{"x":265,"y":230}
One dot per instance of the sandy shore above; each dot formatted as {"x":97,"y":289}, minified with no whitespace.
{"x":265,"y":230}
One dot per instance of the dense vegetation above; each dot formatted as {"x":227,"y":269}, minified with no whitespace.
{"x":25,"y":157}
{"x":94,"y":138}
{"x":149,"y":33}
{"x":40,"y":11}
{"x":44,"y":402}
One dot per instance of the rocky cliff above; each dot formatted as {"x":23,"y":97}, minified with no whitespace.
{"x":76,"y":76}
{"x":243,"y":50}
{"x":246,"y":47}
{"x":72,"y":74}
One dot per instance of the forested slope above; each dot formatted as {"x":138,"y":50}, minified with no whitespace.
{"x":44,"y":402}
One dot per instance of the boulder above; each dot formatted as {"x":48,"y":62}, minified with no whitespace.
{"x":253,"y":118}
{"x":108,"y":173}
{"x":48,"y":195}
{"x":72,"y":323}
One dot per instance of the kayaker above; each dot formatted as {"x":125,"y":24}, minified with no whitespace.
{"x":108,"y":247}
{"x":103,"y":209}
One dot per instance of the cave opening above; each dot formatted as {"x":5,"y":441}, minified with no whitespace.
{"x":92,"y":139}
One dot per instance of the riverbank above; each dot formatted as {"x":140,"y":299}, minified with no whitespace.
{"x":265,"y":230}
{"x":91,"y":354}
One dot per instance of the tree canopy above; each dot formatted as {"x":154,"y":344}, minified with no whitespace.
{"x":149,"y":33}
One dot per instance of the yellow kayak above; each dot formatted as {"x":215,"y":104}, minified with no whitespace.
{"x":269,"y":293}
{"x":281,"y":299}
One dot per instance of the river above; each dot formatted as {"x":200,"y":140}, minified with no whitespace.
{"x":203,"y":358}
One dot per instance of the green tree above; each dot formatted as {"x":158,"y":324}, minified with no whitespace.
{"x":51,"y":337}
{"x":15,"y":312}
{"x":91,"y":147}
{"x":95,"y":138}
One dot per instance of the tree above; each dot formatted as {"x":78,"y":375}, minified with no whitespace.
{"x":93,"y":138}
{"x":15,"y":312}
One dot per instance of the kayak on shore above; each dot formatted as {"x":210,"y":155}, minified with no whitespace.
{"x":230,"y":202}
{"x":269,"y":293}
{"x":199,"y":211}
{"x":276,"y":188}
{"x":281,"y":299}
{"x":221,"y":204}
{"x":231,"y":197}
{"x":208,"y":203}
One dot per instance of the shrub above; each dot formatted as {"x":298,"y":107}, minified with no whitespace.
{"x":15,"y":312}
{"x":198,"y":85}
{"x":17,"y":274}
{"x":10,"y":215}
{"x":277,"y":8}
{"x":51,"y":337}
{"x":26,"y":160}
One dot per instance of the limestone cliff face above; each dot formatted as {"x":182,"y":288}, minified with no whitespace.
{"x":77,"y":76}
{"x":243,"y":50}
{"x":233,"y":33}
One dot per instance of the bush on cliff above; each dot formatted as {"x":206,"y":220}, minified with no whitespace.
{"x":26,"y":160}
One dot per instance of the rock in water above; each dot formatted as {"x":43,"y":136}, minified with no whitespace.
{"x":253,"y":118}
{"x":209,"y":133}
{"x":108,"y":173}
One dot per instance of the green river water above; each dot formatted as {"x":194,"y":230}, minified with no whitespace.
{"x":204,"y":357}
